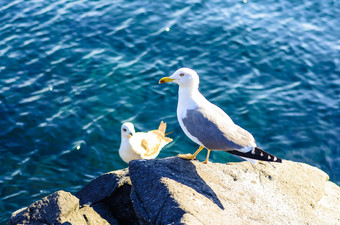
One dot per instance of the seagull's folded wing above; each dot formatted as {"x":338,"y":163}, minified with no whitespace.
{"x":150,"y":147}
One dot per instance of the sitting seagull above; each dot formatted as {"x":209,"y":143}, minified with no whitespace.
{"x":208,"y":125}
{"x":141,"y":145}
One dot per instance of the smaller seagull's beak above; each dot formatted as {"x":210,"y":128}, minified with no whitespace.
{"x":130,"y":135}
{"x":165,"y":79}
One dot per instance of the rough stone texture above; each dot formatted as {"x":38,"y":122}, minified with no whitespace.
{"x":58,"y":208}
{"x":103,"y":186}
{"x":105,"y":200}
{"x":112,"y":192}
{"x":177,"y":191}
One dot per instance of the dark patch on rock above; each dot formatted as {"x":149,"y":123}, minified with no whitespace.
{"x":150,"y":189}
{"x":102,"y":187}
{"x":121,"y":206}
{"x":112,"y":191}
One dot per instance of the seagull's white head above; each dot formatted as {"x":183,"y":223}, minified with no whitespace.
{"x":127,"y":130}
{"x":184,"y":77}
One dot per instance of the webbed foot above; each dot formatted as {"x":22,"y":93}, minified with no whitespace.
{"x":186,"y":156}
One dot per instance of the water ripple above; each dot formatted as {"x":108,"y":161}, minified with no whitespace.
{"x":73,"y":71}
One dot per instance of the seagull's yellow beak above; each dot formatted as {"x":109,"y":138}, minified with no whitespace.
{"x":165,"y":79}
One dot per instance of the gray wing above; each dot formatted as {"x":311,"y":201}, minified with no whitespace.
{"x":215,"y":130}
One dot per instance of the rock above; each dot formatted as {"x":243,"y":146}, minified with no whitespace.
{"x":103,"y":186}
{"x":177,"y":191}
{"x":112,"y":192}
{"x":105,"y":200}
{"x":58,"y":208}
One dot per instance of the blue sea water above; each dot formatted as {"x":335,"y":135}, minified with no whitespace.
{"x":72,"y":71}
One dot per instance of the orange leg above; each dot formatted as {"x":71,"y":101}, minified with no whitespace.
{"x":207,"y":159}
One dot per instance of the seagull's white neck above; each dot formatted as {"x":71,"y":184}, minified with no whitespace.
{"x":189,"y":98}
{"x":124,"y":139}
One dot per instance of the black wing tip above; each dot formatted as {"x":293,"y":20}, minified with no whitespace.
{"x":270,"y":157}
{"x":257,"y":154}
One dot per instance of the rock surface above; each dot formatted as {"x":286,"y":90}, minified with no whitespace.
{"x":177,"y":191}
{"x":58,"y":208}
{"x":234,"y":193}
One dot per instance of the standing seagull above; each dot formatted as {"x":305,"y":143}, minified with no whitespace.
{"x":208,"y":125}
{"x":141,"y":145}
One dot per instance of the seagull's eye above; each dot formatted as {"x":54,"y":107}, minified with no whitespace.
{"x":182,"y":74}
{"x":124,"y":129}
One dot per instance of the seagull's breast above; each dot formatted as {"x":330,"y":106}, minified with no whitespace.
{"x":127,"y":152}
{"x":187,"y":101}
